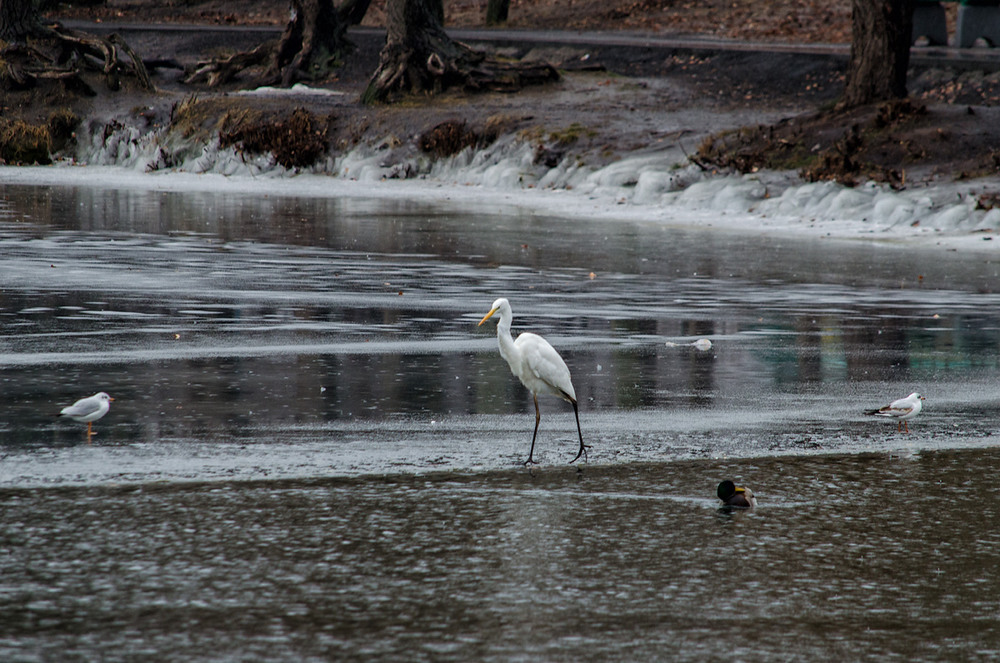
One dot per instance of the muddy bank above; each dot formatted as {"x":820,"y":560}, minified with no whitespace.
{"x":628,"y":97}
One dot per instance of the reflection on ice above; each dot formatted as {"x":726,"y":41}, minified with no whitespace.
{"x":664,"y":187}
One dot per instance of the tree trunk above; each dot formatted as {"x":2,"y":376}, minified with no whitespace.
{"x":437,"y":8}
{"x":496,"y":11}
{"x":880,"y":51}
{"x":18,"y":18}
{"x":352,"y":12}
{"x":419,"y":56}
{"x":310,"y":48}
{"x":312,"y":44}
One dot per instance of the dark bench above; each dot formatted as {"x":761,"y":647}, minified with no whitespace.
{"x":977,"y":19}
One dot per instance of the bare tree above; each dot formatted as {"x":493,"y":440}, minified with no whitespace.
{"x":419,"y":56}
{"x":880,"y":50}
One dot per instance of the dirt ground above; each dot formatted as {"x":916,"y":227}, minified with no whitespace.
{"x":623,"y":101}
{"x":803,"y":21}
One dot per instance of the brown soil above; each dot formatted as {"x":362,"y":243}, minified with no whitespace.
{"x":802,"y":21}
{"x":621,"y":100}
{"x":887,"y":143}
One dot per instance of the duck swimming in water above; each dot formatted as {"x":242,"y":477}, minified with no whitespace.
{"x":738,"y":496}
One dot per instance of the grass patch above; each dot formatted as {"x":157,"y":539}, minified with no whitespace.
{"x":453,"y":136}
{"x":297,"y":141}
{"x":23,"y":143}
{"x":571,"y":134}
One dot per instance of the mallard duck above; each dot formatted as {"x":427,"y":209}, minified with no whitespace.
{"x":738,"y":496}
{"x":900,"y":410}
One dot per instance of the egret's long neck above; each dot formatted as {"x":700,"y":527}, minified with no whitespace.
{"x":507,"y":349}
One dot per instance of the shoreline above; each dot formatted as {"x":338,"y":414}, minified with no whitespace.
{"x":736,"y":205}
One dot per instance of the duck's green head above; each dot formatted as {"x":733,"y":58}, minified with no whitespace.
{"x":727,"y":489}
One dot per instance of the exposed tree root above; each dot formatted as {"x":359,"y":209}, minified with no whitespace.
{"x":310,"y":48}
{"x":54,"y":53}
{"x":447,"y":64}
{"x":222,"y":70}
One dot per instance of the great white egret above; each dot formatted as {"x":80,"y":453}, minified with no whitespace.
{"x":901,"y":410}
{"x":733,"y":495}
{"x":539,"y":368}
{"x":88,"y":410}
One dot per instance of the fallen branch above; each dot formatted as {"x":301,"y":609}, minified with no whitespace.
{"x":219,"y":71}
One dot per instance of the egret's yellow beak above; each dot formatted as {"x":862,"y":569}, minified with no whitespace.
{"x":110,"y":399}
{"x":487,"y":317}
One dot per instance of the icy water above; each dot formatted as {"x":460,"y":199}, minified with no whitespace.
{"x":314,"y":452}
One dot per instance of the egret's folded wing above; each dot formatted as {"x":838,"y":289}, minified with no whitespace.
{"x":545,"y":364}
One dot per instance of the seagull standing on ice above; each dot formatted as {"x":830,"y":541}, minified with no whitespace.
{"x":901,"y":410}
{"x":88,"y":410}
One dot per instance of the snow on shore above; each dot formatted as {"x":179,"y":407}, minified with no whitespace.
{"x":656,"y":187}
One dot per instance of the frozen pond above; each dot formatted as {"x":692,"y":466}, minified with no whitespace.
{"x":314,"y":451}
{"x":261,"y":336}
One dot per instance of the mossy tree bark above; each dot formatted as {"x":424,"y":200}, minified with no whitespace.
{"x":880,"y":51}
{"x":419,"y":56}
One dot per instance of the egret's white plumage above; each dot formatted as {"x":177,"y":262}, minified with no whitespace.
{"x":537,"y":365}
{"x":88,"y":410}
{"x":901,"y":410}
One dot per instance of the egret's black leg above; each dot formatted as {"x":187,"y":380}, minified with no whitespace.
{"x":538,"y":417}
{"x":583,"y":447}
